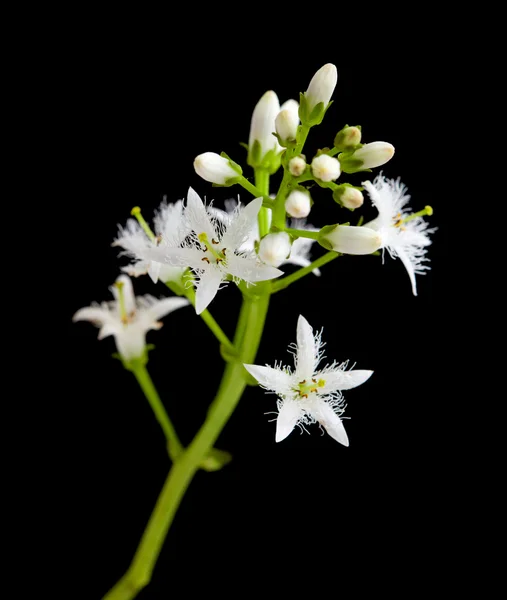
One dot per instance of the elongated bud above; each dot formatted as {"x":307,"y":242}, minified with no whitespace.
{"x":369,"y":156}
{"x":287,"y":121}
{"x":348,"y":196}
{"x":274,"y":248}
{"x":262,"y":126}
{"x":321,"y":86}
{"x":215,"y":168}
{"x":297,"y":166}
{"x":298,"y":204}
{"x":348,"y":138}
{"x":326,"y":168}
{"x":349,"y":239}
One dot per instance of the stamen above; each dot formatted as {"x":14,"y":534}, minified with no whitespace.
{"x":214,"y":241}
{"x":136,"y":212}
{"x":203,"y":238}
{"x":121,"y":301}
{"x":206,"y":259}
{"x":426,"y":211}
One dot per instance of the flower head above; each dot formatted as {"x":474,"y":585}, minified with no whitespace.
{"x":128,"y":318}
{"x":215,"y":168}
{"x":308,"y":394}
{"x":403,"y":235}
{"x":215,"y":250}
{"x":136,"y":236}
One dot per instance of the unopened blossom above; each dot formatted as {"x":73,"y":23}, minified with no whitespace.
{"x":298,"y":204}
{"x":402,"y":234}
{"x":262,"y":127}
{"x":374,"y":154}
{"x":299,"y":251}
{"x":128,"y":318}
{"x":321,"y":86}
{"x":169,"y":230}
{"x":215,"y":168}
{"x":274,"y":248}
{"x":287,"y":121}
{"x":349,"y":239}
{"x":326,"y":168}
{"x":309,"y":394}
{"x":297,"y":166}
{"x":348,"y":196}
{"x":214,"y":251}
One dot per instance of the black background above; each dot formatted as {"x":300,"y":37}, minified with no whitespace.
{"x":134,"y":118}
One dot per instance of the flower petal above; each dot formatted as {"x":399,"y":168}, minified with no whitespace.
{"x":154,"y":270}
{"x":175,"y":257}
{"x":407,"y":263}
{"x":198,"y":218}
{"x":343,"y":380}
{"x":244,"y":220}
{"x":95,"y":314}
{"x":306,"y":357}
{"x":129,"y":298}
{"x":250,"y":269}
{"x":288,"y":416}
{"x":271,"y":379}
{"x":207,"y":288}
{"x":331,"y":422}
{"x":136,"y":269}
{"x":163,"y":307}
{"x":109,"y":329}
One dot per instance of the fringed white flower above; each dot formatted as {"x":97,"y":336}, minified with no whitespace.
{"x":170,"y":230}
{"x":404,"y":235}
{"x":215,"y":251}
{"x":128,"y":318}
{"x":308,"y":395}
{"x":300,"y":249}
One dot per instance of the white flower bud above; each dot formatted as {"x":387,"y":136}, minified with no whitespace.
{"x":326,"y":168}
{"x":287,"y":121}
{"x":351,"y":240}
{"x":374,"y":154}
{"x":297,"y":166}
{"x":274,"y":248}
{"x":214,"y":168}
{"x":298,"y":204}
{"x":262,"y":125}
{"x":351,"y":198}
{"x":321,"y":86}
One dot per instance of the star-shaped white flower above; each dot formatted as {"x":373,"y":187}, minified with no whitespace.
{"x":402,"y":235}
{"x":308,"y":395}
{"x":170,"y":230}
{"x":128,"y":318}
{"x":300,"y":249}
{"x":214,"y":250}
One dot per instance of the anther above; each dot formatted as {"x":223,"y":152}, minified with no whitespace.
{"x":213,"y":241}
{"x":206,"y":259}
{"x":302,"y":382}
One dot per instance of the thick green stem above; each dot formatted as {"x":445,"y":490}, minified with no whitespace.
{"x":146,"y":384}
{"x":281,"y":284}
{"x":279,"y":209}
{"x":252,"y":317}
{"x":262,"y":184}
{"x":304,"y":233}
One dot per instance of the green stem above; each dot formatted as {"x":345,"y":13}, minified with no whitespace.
{"x":333,"y":152}
{"x":278,"y":221}
{"x":253,"y":315}
{"x":302,"y":135}
{"x":256,"y":192}
{"x":146,"y":384}
{"x":262,"y":184}
{"x":281,"y":284}
{"x":304,"y":233}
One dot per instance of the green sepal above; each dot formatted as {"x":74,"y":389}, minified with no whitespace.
{"x":285,"y":143}
{"x":340,"y":190}
{"x":244,"y":145}
{"x":134,"y":363}
{"x":322,"y":236}
{"x":303,"y":108}
{"x":317,"y":114}
{"x":254,"y":154}
{"x":215,"y":460}
{"x":349,"y":164}
{"x":342,"y":141}
{"x":234,"y":165}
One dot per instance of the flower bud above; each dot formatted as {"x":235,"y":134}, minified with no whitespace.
{"x":287,"y":121}
{"x":321,"y":87}
{"x":262,"y":127}
{"x":274,"y":248}
{"x":215,"y":168}
{"x":298,"y":204}
{"x":348,"y":196}
{"x":326,"y":168}
{"x":349,"y":239}
{"x":297,"y":166}
{"x":347,"y":139}
{"x":369,"y":156}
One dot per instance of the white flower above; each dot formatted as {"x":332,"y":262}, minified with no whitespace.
{"x":214,"y":168}
{"x":274,"y":248}
{"x":300,"y":250}
{"x":297,"y":166}
{"x":128,"y":318}
{"x":326,"y":168}
{"x":298,"y":204}
{"x":374,"y":154}
{"x":349,"y":239}
{"x":321,"y":86}
{"x":170,"y":230}
{"x":214,"y":251}
{"x":262,"y":125}
{"x":308,"y":395}
{"x":287,"y":121}
{"x":406,"y":240}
